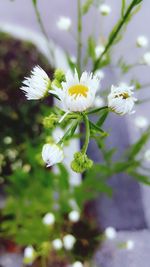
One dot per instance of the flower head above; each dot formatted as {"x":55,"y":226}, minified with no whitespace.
{"x":105,"y":9}
{"x":121,"y":99}
{"x":77,"y":94}
{"x":110,"y":233}
{"x":57,"y":244}
{"x":29,"y":255}
{"x":37,"y":85}
{"x":64,"y":23}
{"x":69,"y":241}
{"x":74,"y":216}
{"x":141,"y":122}
{"x":49,"y":219}
{"x":130,"y":245}
{"x":142,"y":41}
{"x":146,"y":58}
{"x":77,"y":264}
{"x":147,"y":155}
{"x":52,"y":154}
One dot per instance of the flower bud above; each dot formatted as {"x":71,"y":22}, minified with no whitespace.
{"x":59,"y":75}
{"x":81,"y":162}
{"x":50,"y":121}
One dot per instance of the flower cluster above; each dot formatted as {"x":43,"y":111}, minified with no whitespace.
{"x":78,"y":97}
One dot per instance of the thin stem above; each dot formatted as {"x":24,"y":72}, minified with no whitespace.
{"x":87,"y":133}
{"x":43,"y":261}
{"x":79,"y":37}
{"x":96,"y":110}
{"x":39,"y":19}
{"x":113,"y":37}
{"x":72,"y":127}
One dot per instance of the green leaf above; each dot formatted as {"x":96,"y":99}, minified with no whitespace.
{"x":123,"y":7}
{"x":96,"y":129}
{"x":141,"y":178}
{"x":136,"y":148}
{"x":91,"y":47}
{"x":102,"y":118}
{"x":86,"y":6}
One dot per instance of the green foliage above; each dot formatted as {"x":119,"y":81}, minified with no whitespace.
{"x":86,"y":6}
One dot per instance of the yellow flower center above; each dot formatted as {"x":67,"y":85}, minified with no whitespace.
{"x":77,"y":90}
{"x":123,"y":95}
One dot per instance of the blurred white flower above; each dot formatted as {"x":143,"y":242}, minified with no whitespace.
{"x":69,"y":241}
{"x":110,"y":233}
{"x":57,"y":244}
{"x":77,"y":94}
{"x":141,"y":122}
{"x":52,"y":154}
{"x":142,"y":41}
{"x":99,"y":49}
{"x":37,"y":85}
{"x":146,"y":58}
{"x":49,"y":219}
{"x":64,"y":23}
{"x":104,"y":9}
{"x":57,"y":134}
{"x":73,"y":204}
{"x":29,"y":254}
{"x":99,"y":102}
{"x":147,"y":155}
{"x":73,"y":59}
{"x":121,"y":100}
{"x":7,"y":140}
{"x":74,"y":216}
{"x":77,"y":264}
{"x":100,"y":74}
{"x":130,"y":245}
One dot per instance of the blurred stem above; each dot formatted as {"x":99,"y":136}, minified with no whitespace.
{"x":87,"y":133}
{"x":79,"y":38}
{"x":43,"y":262}
{"x":113,"y":36}
{"x":96,"y":110}
{"x":40,"y":22}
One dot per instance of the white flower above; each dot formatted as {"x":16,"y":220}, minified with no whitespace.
{"x":130,"y":244}
{"x":146,"y":58}
{"x":57,"y":244}
{"x":49,"y":219}
{"x":52,"y":154}
{"x":142,"y":41}
{"x":99,"y":50}
{"x":105,"y":9}
{"x":110,"y":233}
{"x":100,"y":74}
{"x":29,"y":253}
{"x":141,"y":122}
{"x":7,"y":140}
{"x":77,"y":95}
{"x":74,"y":216}
{"x":64,"y":23}
{"x":121,"y":99}
{"x":57,"y":134}
{"x":99,"y":102}
{"x":147,"y":155}
{"x":69,"y":241}
{"x":77,"y":264}
{"x":36,"y":86}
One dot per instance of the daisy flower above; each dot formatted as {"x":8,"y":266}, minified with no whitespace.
{"x":74,"y":216}
{"x":49,"y":219}
{"x":52,"y":154}
{"x":64,"y":23}
{"x":121,"y":99}
{"x":37,"y":85}
{"x":77,"y":94}
{"x":104,"y":9}
{"x":142,"y":41}
{"x":110,"y":233}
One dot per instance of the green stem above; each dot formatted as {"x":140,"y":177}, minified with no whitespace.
{"x":73,"y":126}
{"x":96,"y":110}
{"x":79,"y":38}
{"x":113,"y":37}
{"x":39,"y":19}
{"x":43,"y":262}
{"x":87,"y":133}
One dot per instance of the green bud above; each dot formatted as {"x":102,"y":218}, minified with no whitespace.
{"x":50,"y":121}
{"x":56,"y":83}
{"x":59,"y":75}
{"x":81,"y":162}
